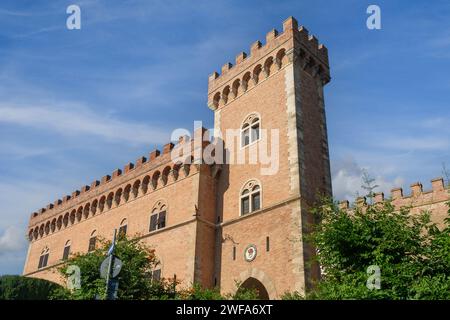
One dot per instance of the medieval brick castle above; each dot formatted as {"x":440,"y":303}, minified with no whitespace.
{"x":219,"y":223}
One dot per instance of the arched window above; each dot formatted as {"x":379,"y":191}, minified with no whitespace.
{"x":72,"y":217}
{"x":135,"y":190}
{"x":280,"y":59}
{"x":59,"y":222}
{"x":43,"y":259}
{"x":158,"y":216}
{"x":256,"y":72}
{"x":225,"y":93}
{"x":66,"y":219}
{"x":79,"y":214}
{"x":94,"y":207}
{"x":126,"y":192}
{"x":101,"y":204}
{"x":145,"y":183}
{"x":250,"y":130}
{"x":250,"y":199}
{"x":86,"y":210}
{"x":66,"y":251}
{"x":155,"y":179}
{"x":216,"y":100}
{"x":109,"y":200}
{"x":123,"y":228}
{"x":245,"y":81}
{"x":267,"y":66}
{"x":92,"y":241}
{"x":165,"y":175}
{"x":235,"y":87}
{"x":118,"y":197}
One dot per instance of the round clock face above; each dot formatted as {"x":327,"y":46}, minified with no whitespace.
{"x":250,"y":253}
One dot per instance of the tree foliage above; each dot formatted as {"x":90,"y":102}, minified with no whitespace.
{"x":412,"y":253}
{"x":368,"y":185}
{"x":134,"y":277}
{"x":134,"y":281}
{"x":13,"y":287}
{"x":197,"y":292}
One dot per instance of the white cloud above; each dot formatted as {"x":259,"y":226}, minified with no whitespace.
{"x":12,"y":240}
{"x":347,"y":179}
{"x":79,"y":120}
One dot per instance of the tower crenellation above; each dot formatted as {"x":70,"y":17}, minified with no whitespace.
{"x":119,"y":176}
{"x":418,"y":199}
{"x":222,"y":87}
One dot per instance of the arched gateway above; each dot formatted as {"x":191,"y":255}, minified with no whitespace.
{"x":255,"y":284}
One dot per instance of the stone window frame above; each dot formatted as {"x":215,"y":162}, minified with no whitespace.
{"x":92,"y":241}
{"x":43,"y":258}
{"x":250,"y":120}
{"x":159,"y":207}
{"x":123,"y":227}
{"x":248,"y":190}
{"x":66,"y":252}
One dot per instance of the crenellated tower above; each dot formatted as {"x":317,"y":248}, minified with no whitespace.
{"x":279,"y":88}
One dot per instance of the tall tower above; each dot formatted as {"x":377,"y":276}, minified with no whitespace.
{"x":263,"y":214}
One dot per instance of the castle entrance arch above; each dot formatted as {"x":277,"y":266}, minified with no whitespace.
{"x":255,"y":284}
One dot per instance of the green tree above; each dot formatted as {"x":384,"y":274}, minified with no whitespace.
{"x":368,"y":185}
{"x":134,"y":280}
{"x":243,"y":293}
{"x":13,"y":287}
{"x":413,"y":255}
{"x":197,"y":292}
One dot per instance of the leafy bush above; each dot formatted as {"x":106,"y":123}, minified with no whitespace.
{"x":134,"y":281}
{"x":24,"y":288}
{"x":412,"y":253}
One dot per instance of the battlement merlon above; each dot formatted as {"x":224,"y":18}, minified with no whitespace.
{"x":438,"y":193}
{"x":292,"y":36}
{"x":154,"y":159}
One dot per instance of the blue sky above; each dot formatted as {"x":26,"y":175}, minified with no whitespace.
{"x":75,"y":105}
